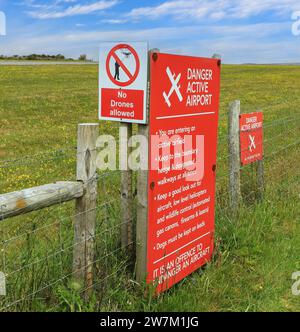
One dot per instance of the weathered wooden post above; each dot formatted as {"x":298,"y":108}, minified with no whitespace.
{"x":142,"y":196}
{"x":234,"y":155}
{"x":260,"y":179}
{"x":260,"y":175}
{"x":85,"y":219}
{"x":126,"y":189}
{"x":142,"y":216}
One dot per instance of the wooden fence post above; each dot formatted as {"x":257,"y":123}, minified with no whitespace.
{"x":234,"y":155}
{"x":142,"y":216}
{"x":85,"y":216}
{"x":260,"y":179}
{"x":126,"y":189}
{"x":142,"y":197}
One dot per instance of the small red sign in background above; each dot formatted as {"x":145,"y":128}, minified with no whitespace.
{"x":251,"y":137}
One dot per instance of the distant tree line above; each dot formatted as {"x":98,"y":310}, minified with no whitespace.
{"x":45,"y":57}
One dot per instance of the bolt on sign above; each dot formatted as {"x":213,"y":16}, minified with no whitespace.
{"x":123,"y":81}
{"x":251,"y":137}
{"x":184,"y":107}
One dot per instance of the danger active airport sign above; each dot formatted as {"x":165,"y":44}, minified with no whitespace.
{"x":123,"y":81}
{"x":251,"y":137}
{"x":184,"y":107}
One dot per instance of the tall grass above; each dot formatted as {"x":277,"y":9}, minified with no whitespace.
{"x":256,"y":251}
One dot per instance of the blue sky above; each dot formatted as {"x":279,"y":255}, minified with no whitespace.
{"x":240,"y":30}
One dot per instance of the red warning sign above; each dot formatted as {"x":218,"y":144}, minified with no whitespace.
{"x":184,"y":106}
{"x":123,"y":82}
{"x":251,"y":137}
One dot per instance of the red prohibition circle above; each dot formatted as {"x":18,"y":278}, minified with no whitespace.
{"x":113,"y":54}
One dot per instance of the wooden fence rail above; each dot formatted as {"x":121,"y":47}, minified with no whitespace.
{"x":84,"y":191}
{"x":33,"y":199}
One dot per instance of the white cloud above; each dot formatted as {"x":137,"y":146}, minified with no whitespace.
{"x":52,"y":13}
{"x":115,"y":21}
{"x":237,"y":44}
{"x":2,"y":24}
{"x":216,"y":9}
{"x":36,"y":5}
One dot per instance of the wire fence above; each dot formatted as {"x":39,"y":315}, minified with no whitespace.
{"x":37,"y":249}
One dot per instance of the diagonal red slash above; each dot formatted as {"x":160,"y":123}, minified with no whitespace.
{"x":127,"y":72}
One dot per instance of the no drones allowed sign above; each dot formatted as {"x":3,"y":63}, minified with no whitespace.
{"x":123,"y":81}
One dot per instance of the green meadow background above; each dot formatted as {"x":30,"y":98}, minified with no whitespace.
{"x":256,"y":251}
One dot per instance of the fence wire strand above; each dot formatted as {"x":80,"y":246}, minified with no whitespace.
{"x":37,"y":249}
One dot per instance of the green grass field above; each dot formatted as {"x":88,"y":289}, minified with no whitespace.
{"x":257,"y":251}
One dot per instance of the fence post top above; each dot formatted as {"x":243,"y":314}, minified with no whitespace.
{"x":235,"y":102}
{"x":88,"y":124}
